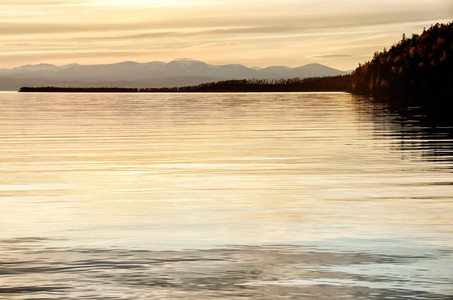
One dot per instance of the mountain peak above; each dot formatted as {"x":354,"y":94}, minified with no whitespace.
{"x":313,"y":64}
{"x":187,"y":62}
{"x":129,"y":62}
{"x":41,"y":66}
{"x":174,"y":73}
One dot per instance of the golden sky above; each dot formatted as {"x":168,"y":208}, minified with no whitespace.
{"x":337,"y":33}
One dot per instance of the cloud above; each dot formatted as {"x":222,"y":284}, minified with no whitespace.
{"x":43,"y":2}
{"x":147,"y":3}
{"x":330,"y":56}
{"x":292,"y":31}
{"x":28,"y":28}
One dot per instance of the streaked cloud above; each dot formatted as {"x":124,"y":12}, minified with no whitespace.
{"x":38,"y":2}
{"x":147,"y":3}
{"x":251,"y":32}
{"x":331,"y":56}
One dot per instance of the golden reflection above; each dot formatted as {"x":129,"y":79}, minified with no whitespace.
{"x":226,"y":167}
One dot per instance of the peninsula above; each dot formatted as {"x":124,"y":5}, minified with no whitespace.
{"x":312,"y":84}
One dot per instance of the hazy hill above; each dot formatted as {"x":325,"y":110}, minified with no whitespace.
{"x":152,"y":74}
{"x":312,"y":70}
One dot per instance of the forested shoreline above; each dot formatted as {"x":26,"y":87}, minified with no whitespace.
{"x":312,"y":84}
{"x":414,"y":70}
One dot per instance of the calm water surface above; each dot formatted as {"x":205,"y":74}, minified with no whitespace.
{"x":233,"y":196}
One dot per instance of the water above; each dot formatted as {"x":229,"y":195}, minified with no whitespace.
{"x":233,"y":196}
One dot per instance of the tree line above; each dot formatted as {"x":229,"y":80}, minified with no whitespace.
{"x":417,"y":69}
{"x":312,"y":84}
{"x":54,"y":89}
{"x":331,"y":83}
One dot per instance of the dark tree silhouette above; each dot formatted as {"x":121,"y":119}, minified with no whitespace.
{"x":415,"y":70}
{"x":333,"y":83}
{"x":53,"y":89}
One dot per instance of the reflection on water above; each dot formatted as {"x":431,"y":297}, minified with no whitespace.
{"x":246,"y":272}
{"x":418,"y":131}
{"x":240,"y":196}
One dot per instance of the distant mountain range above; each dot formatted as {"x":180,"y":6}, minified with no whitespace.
{"x":154,"y":74}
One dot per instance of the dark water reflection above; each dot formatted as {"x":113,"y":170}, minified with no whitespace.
{"x":420,"y":131}
{"x":239,"y":272}
{"x":232,"y":196}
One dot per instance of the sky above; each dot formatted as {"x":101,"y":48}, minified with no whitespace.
{"x":336,"y":33}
